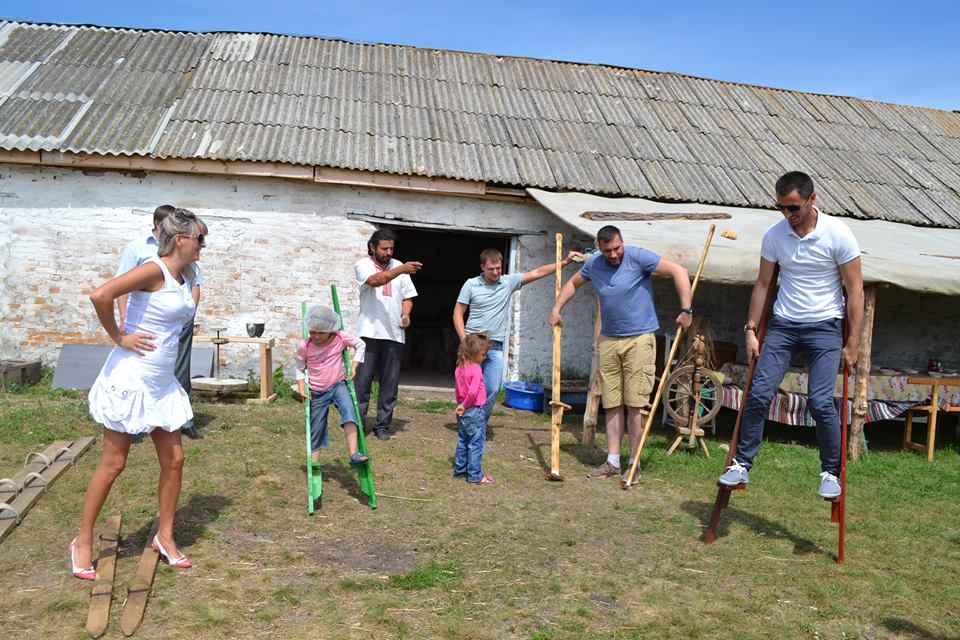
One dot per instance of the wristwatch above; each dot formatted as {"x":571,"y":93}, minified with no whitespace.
{"x":749,"y":327}
{"x":687,"y":310}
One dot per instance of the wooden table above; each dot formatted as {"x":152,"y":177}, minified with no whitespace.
{"x":266,"y":362}
{"x":931,"y":410}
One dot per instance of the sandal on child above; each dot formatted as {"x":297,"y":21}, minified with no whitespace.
{"x":483,"y":480}
{"x":358,"y":458}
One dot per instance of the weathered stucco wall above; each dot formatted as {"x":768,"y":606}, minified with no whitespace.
{"x":271,"y":244}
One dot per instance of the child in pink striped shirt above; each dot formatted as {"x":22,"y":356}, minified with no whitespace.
{"x":471,"y":417}
{"x":321,"y":356}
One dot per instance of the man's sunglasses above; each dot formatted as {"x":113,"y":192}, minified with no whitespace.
{"x":792,"y":208}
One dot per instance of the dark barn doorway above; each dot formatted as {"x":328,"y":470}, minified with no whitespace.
{"x":449,"y":258}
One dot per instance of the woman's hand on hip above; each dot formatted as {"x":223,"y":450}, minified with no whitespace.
{"x":139,"y":343}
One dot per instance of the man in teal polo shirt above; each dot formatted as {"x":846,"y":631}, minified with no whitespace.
{"x":488,"y":298}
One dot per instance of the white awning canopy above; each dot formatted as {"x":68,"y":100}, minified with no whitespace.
{"x":916,"y":258}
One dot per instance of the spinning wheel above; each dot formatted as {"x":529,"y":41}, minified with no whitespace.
{"x":685,"y":396}
{"x":693,"y":398}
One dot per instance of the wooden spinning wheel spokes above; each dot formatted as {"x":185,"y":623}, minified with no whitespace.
{"x":684,"y":396}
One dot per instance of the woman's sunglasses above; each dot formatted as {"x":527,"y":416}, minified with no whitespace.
{"x":201,"y":238}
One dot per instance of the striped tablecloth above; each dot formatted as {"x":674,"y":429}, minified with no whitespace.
{"x":888,"y":396}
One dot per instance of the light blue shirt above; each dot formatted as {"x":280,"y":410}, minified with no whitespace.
{"x":139,"y":251}
{"x":625,"y":292}
{"x":489,"y":304}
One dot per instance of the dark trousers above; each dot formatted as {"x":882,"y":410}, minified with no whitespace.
{"x":382,"y":360}
{"x":821,"y":342}
{"x":181,"y":370}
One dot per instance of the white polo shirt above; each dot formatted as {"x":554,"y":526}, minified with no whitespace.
{"x":810,"y":281}
{"x":379,"y":313}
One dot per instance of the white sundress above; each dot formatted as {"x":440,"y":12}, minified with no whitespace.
{"x":134,"y":393}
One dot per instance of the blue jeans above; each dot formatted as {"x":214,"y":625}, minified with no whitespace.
{"x":471,"y":434}
{"x":492,"y":368}
{"x":320,"y":401}
{"x":822,"y":342}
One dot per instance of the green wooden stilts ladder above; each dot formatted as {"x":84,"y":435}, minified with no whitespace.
{"x":364,"y":473}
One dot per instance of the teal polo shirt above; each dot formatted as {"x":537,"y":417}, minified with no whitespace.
{"x":489,"y":304}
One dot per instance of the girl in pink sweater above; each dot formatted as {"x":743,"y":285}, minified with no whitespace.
{"x":471,"y":418}
{"x":321,"y":356}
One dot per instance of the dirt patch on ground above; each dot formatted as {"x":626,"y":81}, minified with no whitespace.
{"x":377,"y":558}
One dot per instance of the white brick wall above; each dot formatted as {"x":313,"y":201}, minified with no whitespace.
{"x":274,"y":242}
{"x":271,"y":244}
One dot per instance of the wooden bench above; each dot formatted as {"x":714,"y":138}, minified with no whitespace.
{"x":931,"y":409}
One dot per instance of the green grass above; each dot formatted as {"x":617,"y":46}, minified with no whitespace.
{"x":522,"y":558}
{"x":432,"y":575}
{"x":435,"y":406}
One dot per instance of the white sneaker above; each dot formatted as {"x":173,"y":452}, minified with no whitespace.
{"x":829,"y":485}
{"x":735,"y":474}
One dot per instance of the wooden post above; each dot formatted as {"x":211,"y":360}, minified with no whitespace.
{"x":593,"y":393}
{"x":863,"y":375}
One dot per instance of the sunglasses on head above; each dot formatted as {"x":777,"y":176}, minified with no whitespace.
{"x":792,"y":208}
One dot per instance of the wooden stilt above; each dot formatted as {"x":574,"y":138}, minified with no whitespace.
{"x":723,"y":491}
{"x":838,"y":510}
{"x":625,"y":484}
{"x":556,"y":406}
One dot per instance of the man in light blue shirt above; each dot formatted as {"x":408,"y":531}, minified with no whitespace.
{"x":622,"y":277}
{"x":488,"y":296}
{"x":136,"y":253}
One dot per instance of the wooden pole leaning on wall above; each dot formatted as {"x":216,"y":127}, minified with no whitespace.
{"x":556,"y":406}
{"x":625,"y":484}
{"x":863,"y":374}
{"x":593,"y":391}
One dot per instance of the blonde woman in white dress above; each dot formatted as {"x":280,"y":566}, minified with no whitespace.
{"x":136,"y":391}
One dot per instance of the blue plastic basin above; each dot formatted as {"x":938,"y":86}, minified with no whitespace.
{"x":524,"y":395}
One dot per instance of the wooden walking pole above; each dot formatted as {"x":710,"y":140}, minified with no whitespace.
{"x":556,"y":406}
{"x":723,"y":491}
{"x":666,"y":366}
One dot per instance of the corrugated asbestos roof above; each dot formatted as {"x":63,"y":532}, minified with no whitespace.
{"x":507,"y":121}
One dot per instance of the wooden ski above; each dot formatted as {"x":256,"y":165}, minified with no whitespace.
{"x":139,"y":589}
{"x":35,"y":463}
{"x":36,"y":483}
{"x":101,"y":595}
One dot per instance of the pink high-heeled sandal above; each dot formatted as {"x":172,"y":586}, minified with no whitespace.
{"x":83,"y":574}
{"x":180,"y":562}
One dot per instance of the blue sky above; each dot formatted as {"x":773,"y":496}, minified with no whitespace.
{"x":900,"y":52}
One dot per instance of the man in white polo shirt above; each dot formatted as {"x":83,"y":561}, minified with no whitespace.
{"x":135,"y":253}
{"x":818,"y":256}
{"x":386,"y":301}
